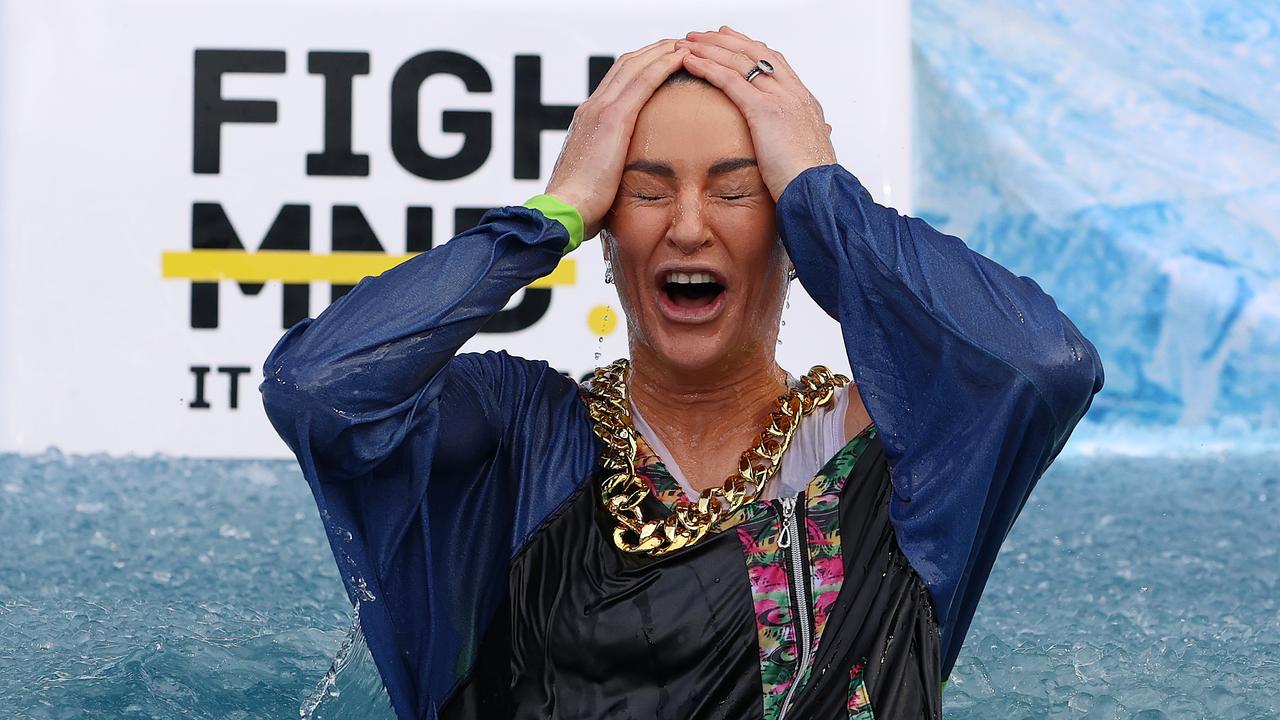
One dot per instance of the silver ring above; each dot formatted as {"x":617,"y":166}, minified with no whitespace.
{"x":762,"y":67}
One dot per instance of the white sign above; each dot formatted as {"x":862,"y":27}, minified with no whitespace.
{"x":148,"y":148}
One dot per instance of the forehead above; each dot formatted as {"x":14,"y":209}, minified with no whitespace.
{"x":690,"y":127}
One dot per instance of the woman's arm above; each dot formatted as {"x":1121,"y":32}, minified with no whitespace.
{"x":431,"y":470}
{"x":973,"y":376}
{"x":359,"y":373}
{"x":355,"y":381}
{"x":850,"y":251}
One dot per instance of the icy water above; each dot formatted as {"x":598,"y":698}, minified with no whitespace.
{"x":159,"y":588}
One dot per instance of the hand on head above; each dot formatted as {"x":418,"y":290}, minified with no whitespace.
{"x":590,"y":165}
{"x":786,"y":123}
{"x":788,"y":130}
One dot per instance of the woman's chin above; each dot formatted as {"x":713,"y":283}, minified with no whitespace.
{"x":694,"y":341}
{"x":685,"y":350}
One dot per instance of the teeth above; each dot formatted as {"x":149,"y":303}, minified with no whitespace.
{"x":690,"y":278}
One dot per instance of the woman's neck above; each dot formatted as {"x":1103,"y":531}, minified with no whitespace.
{"x":706,"y":419}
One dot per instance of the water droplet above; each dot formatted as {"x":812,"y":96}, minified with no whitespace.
{"x":362,"y":591}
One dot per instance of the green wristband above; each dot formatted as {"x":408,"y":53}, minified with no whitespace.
{"x":563,"y":213}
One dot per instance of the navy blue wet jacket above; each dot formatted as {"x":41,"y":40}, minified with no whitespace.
{"x":434,"y":470}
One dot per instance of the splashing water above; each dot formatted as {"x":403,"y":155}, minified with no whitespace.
{"x":123,"y":597}
{"x":328,"y":685}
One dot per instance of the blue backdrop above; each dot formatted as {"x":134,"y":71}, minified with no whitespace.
{"x":1127,"y":157}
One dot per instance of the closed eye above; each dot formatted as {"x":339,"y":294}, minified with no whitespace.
{"x":734,"y":196}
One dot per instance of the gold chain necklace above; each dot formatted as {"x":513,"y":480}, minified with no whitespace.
{"x":622,"y":491}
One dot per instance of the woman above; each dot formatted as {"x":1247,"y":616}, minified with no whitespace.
{"x":521,"y":546}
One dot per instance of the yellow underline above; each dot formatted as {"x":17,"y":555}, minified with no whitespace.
{"x":300,"y":266}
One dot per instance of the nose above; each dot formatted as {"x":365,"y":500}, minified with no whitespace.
{"x":689,"y":231}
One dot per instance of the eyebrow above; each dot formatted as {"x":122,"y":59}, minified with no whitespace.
{"x":728,"y":166}
{"x":651,"y":168}
{"x":664,"y":170}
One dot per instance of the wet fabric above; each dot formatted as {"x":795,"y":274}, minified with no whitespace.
{"x":439,"y":475}
{"x":709,"y":632}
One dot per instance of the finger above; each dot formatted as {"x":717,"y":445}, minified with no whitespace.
{"x":642,"y":55}
{"x":738,"y":42}
{"x":730,"y":39}
{"x":728,"y":30}
{"x":731,"y":83}
{"x":626,"y":59}
{"x":729,"y":58}
{"x":636,"y":87}
{"x":753,"y":49}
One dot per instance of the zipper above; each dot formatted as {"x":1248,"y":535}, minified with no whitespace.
{"x":789,"y":540}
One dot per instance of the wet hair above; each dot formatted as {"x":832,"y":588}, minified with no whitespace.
{"x":684,"y":77}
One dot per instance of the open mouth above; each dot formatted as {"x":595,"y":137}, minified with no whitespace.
{"x":692,"y":291}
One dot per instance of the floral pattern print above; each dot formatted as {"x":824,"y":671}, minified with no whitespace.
{"x":758,"y":526}
{"x":649,"y":468}
{"x":771,"y":596}
{"x":822,"y":529}
{"x":859,"y":701}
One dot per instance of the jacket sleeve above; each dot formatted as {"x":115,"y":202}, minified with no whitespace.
{"x":430,"y":468}
{"x":973,"y":376}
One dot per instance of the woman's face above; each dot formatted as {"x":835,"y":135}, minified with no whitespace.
{"x":698,"y":268}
